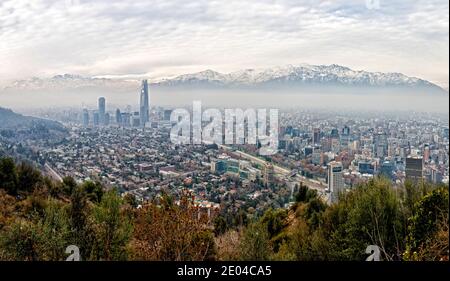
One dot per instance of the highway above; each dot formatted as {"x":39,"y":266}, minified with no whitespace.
{"x":279,"y":171}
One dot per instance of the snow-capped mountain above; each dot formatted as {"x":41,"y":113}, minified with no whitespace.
{"x":301,"y":75}
{"x":289,"y":76}
{"x":69,"y":81}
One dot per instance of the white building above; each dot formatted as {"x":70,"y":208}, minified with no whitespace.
{"x":335,"y":180}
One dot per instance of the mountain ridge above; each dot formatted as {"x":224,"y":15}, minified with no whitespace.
{"x":304,"y":74}
{"x":289,"y":76}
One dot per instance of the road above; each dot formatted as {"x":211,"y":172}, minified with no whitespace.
{"x":53,"y":174}
{"x":314,"y":184}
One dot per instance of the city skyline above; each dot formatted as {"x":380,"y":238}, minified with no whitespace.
{"x":101,"y":115}
{"x":241,"y":130}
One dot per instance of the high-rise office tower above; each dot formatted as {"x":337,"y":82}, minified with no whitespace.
{"x":85,"y":117}
{"x":144,"y":104}
{"x":335,"y":180}
{"x":436,"y":176}
{"x":346,"y":130}
{"x":126,"y":119}
{"x":426,"y":153}
{"x":167,"y":114}
{"x":316,"y":136}
{"x":136,"y":120}
{"x":107,"y":119}
{"x":96,"y":119}
{"x":101,"y":110}
{"x":118,"y":117}
{"x":387,"y":169}
{"x":334,"y":133}
{"x":414,"y":168}
{"x":345,"y":136}
{"x":380,"y":150}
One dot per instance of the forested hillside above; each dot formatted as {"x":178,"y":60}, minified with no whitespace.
{"x":39,"y":218}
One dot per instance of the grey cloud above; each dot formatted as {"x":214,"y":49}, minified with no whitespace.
{"x":103,"y":37}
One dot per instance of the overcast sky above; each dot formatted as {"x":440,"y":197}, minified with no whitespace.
{"x":163,"y":38}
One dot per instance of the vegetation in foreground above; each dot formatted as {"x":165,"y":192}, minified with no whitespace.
{"x":39,"y":218}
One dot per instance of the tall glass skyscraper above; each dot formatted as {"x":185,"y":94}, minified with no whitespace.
{"x":118,"y":117}
{"x":96,"y":119}
{"x":85,"y":117}
{"x":144,"y":104}
{"x":101,"y":110}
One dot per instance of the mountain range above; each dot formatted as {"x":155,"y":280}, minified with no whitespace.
{"x":286,"y":77}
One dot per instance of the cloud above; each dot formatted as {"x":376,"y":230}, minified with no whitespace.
{"x":169,"y":37}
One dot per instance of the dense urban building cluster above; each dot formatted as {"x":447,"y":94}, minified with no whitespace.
{"x":328,"y":151}
{"x":328,"y":167}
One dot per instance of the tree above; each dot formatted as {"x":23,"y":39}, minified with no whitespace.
{"x":437,"y":247}
{"x":305,"y":194}
{"x":274,"y":220}
{"x":7,"y":208}
{"x":53,"y":230}
{"x":368,"y":215}
{"x":27,"y":177}
{"x":301,"y":194}
{"x":8,"y":175}
{"x":81,"y":226}
{"x":228,"y":245}
{"x":20,"y":242}
{"x":113,"y":228}
{"x":68,"y":185}
{"x":313,"y":212}
{"x":130,"y":199}
{"x":220,"y":225}
{"x":430,"y":216}
{"x":255,"y":244}
{"x":303,"y":237}
{"x":412,"y":193}
{"x":43,"y":237}
{"x":94,"y":191}
{"x":172,"y":232}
